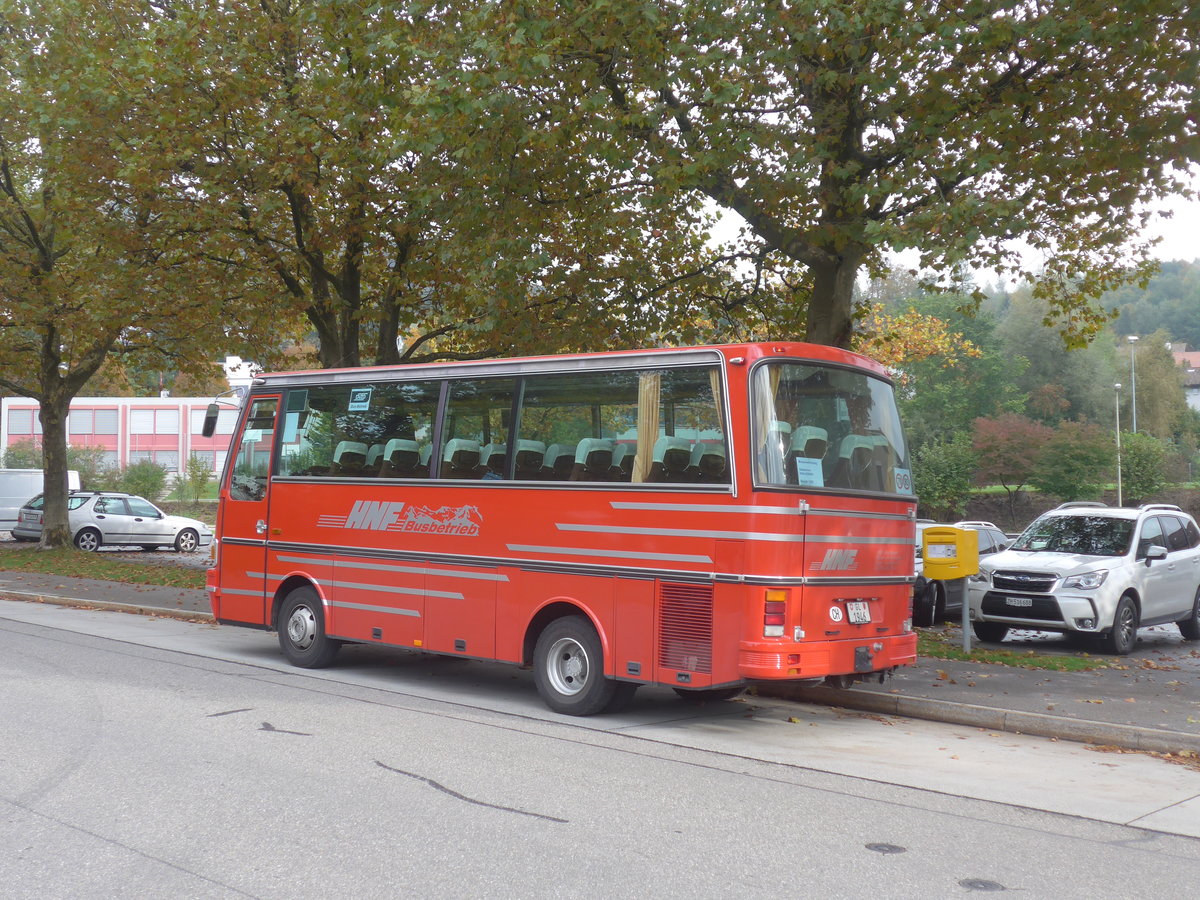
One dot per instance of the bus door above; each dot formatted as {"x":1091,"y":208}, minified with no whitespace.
{"x":245,"y":499}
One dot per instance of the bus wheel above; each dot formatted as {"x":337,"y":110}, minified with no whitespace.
{"x":302,"y":635}
{"x":568,"y":668}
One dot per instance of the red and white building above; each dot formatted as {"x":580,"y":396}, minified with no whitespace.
{"x":165,"y":430}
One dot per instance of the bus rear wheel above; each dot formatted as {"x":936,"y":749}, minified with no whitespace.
{"x":568,"y":669}
{"x":302,"y":636}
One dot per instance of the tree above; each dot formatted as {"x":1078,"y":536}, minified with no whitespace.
{"x":92,"y":252}
{"x":1143,"y":460}
{"x":372,"y":179}
{"x":1076,"y":384}
{"x":942,"y":474}
{"x":840,"y":130}
{"x":1007,"y":447}
{"x":1161,"y":402}
{"x":1074,"y":463}
{"x":944,"y":391}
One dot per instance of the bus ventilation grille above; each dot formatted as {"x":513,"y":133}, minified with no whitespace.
{"x":685,"y":627}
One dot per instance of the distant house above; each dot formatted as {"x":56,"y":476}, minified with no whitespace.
{"x":1189,"y":361}
{"x":165,"y":430}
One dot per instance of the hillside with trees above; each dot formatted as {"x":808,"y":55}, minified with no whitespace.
{"x":1026,"y":413}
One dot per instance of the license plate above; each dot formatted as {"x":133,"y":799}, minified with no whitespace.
{"x":1018,"y":601}
{"x":858,"y":612}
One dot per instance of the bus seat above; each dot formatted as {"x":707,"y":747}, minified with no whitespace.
{"x":671,"y":457}
{"x":854,"y":459}
{"x":559,"y":461}
{"x":810,"y":441}
{"x":349,"y":458}
{"x":622,"y":462}
{"x":707,"y":464}
{"x":530,"y":455}
{"x":593,"y":459}
{"x":461,"y":459}
{"x":493,"y":458}
{"x":402,"y":459}
{"x":374,"y":459}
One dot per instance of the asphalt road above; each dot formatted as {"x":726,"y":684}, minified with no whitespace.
{"x":156,"y":757}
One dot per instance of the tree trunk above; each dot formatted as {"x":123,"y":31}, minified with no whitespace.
{"x":52,"y":412}
{"x":831,"y":308}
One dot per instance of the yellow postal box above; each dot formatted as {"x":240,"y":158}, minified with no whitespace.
{"x":950,"y":552}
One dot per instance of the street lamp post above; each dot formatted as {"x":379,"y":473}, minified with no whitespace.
{"x":1117,"y":406}
{"x":1133,"y":380}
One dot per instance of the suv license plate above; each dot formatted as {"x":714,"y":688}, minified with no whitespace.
{"x":858,"y":612}
{"x":1018,"y":601}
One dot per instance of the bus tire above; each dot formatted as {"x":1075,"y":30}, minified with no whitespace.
{"x":568,"y":668}
{"x":302,"y":636}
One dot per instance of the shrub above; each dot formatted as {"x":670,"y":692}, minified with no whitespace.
{"x":147,"y":479}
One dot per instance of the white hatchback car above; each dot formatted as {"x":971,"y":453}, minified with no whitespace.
{"x":107,"y":517}
{"x":1091,"y":569}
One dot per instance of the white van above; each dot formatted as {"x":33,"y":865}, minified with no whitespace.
{"x":19,"y":485}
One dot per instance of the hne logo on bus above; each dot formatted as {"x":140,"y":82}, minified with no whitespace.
{"x":847,"y":560}
{"x":384,"y":515}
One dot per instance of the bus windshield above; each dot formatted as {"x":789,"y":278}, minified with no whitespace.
{"x":827,"y":427}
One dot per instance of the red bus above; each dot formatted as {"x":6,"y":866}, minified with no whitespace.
{"x":702,"y":518}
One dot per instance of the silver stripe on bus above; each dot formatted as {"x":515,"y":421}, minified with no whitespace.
{"x":850,"y":514}
{"x":578,"y":551}
{"x":872,"y":581}
{"x":685,"y":532}
{"x":240,"y":593}
{"x":708,"y":507}
{"x":385,"y":567}
{"x":760,"y":510}
{"x":386,"y":610}
{"x":385,"y":589}
{"x":854,"y":539}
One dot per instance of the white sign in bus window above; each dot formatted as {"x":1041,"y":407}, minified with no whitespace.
{"x":360,"y":399}
{"x":808,"y":472}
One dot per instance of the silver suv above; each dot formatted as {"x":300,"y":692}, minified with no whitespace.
{"x":1094,"y":570}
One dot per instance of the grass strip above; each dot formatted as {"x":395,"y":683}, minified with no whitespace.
{"x":104,"y":566}
{"x":941,"y":646}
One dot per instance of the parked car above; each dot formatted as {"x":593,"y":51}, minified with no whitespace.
{"x":1093,"y":570}
{"x":17,"y":486}
{"x":98,"y":518}
{"x":933,"y":600}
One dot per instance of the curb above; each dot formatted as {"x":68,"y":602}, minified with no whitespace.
{"x":133,"y":608}
{"x":1088,"y":731}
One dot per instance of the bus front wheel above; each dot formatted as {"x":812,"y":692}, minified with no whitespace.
{"x":568,"y":669}
{"x":302,"y":635}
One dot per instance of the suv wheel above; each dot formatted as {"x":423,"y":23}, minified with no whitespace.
{"x":1190,"y":627}
{"x":991,"y":632}
{"x":1123,"y":635}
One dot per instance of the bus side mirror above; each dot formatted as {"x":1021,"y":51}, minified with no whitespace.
{"x":210,"y":419}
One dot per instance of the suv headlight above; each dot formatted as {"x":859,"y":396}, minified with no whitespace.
{"x":980,"y":577}
{"x":1086,"y":582}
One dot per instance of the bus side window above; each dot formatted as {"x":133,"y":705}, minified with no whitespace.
{"x":475,"y":428}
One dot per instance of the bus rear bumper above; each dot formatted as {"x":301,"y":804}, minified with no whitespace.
{"x":771,"y":662}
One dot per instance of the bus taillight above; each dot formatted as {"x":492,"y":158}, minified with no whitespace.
{"x":774,"y":613}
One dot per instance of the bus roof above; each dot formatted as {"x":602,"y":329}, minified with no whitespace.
{"x":625,"y":359}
